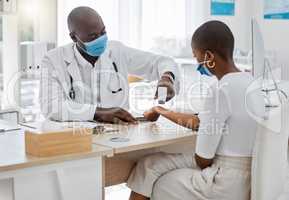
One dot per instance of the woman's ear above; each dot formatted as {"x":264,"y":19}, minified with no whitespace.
{"x":72,"y":36}
{"x":210,"y":56}
{"x":210,"y":59}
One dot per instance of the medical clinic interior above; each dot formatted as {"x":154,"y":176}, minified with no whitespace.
{"x":144,"y":99}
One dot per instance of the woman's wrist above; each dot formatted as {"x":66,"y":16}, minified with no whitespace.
{"x":160,"y":110}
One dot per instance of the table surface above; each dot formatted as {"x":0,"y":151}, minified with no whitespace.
{"x":13,"y":156}
{"x":145,"y":135}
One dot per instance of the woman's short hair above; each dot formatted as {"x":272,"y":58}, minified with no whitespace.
{"x":215,"y":36}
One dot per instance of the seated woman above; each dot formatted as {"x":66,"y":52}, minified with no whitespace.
{"x":220,"y":167}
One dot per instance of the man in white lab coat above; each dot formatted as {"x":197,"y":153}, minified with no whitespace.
{"x":87,"y":79}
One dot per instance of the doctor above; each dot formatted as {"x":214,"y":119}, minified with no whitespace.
{"x":87,"y":79}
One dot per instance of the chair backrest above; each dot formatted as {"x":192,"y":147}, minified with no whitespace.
{"x":270,"y":159}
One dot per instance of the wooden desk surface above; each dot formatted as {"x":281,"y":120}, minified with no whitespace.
{"x":13,"y":156}
{"x":145,"y":135}
{"x":142,"y":136}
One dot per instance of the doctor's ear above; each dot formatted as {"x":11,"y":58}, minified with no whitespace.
{"x":72,"y":36}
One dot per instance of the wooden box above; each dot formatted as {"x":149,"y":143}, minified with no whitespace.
{"x":60,"y":142}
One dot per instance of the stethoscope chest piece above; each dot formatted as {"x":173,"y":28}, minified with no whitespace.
{"x":72,"y":94}
{"x":116,"y":91}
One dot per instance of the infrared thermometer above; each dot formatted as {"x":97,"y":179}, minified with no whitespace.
{"x":162,"y":95}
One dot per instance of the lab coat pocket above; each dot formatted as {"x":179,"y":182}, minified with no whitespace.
{"x":203,"y":181}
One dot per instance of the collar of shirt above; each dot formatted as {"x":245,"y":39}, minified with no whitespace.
{"x":82,"y":62}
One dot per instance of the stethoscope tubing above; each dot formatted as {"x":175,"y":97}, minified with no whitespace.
{"x":72,"y":91}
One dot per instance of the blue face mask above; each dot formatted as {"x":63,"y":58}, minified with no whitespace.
{"x":96,"y":47}
{"x":204,"y":70}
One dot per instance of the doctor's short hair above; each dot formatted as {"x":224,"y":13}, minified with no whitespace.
{"x":215,"y":36}
{"x":78,"y":15}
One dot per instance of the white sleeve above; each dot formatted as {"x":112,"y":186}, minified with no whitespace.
{"x":212,"y":124}
{"x":148,"y":65}
{"x":54,"y":101}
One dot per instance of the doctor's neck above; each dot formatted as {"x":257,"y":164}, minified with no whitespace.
{"x":92,"y":60}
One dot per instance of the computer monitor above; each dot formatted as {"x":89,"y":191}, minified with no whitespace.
{"x":258,"y":50}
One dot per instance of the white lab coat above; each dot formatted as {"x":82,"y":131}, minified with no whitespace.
{"x":62,"y":64}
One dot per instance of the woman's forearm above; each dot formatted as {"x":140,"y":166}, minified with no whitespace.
{"x":186,"y":120}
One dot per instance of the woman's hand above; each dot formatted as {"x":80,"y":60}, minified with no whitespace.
{"x":153,"y":114}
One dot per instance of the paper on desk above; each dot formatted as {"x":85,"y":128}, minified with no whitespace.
{"x":57,"y":126}
{"x":49,"y":125}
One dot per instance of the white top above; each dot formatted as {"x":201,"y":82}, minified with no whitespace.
{"x":94,"y":86}
{"x":227,"y":125}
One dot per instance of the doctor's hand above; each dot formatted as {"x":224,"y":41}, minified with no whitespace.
{"x":167,"y":82}
{"x":113,"y":115}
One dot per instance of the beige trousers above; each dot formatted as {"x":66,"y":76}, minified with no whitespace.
{"x":177,"y":177}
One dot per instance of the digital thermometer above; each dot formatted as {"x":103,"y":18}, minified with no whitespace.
{"x":162,"y":95}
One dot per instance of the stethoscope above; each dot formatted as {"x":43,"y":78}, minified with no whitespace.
{"x":72,"y":91}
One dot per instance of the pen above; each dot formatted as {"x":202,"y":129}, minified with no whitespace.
{"x":22,"y":124}
{"x":8,"y":130}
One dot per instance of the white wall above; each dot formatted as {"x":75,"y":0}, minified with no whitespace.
{"x":10,"y":62}
{"x":45,"y":27}
{"x":239,"y":24}
{"x":43,"y":13}
{"x":276,"y":32}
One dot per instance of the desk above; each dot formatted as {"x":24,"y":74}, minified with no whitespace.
{"x":69,"y":177}
{"x":80,"y":176}
{"x":145,"y":138}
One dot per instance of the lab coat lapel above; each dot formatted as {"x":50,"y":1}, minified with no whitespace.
{"x":83,"y":92}
{"x":71,"y":64}
{"x":106,"y":71}
{"x":73,"y":70}
{"x":106,"y":62}
{"x":100,"y":86}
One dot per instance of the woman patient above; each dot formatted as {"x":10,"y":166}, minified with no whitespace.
{"x":220,"y":167}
